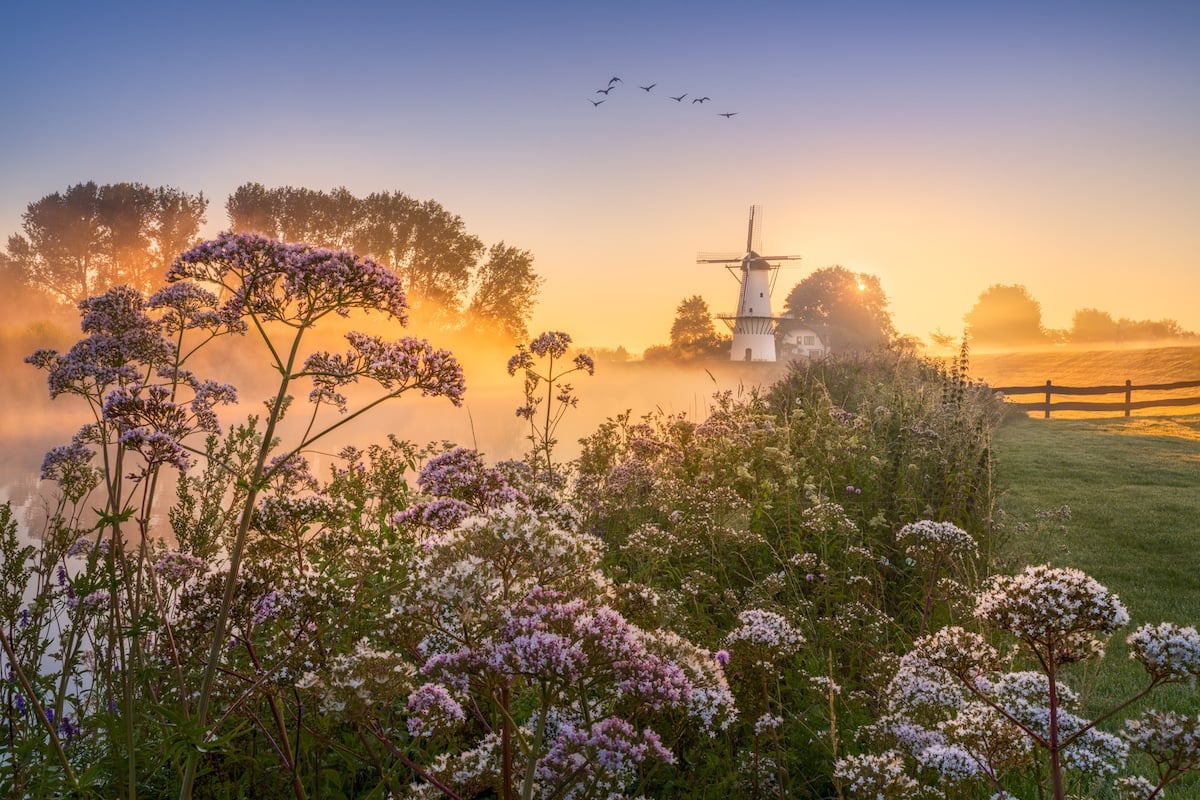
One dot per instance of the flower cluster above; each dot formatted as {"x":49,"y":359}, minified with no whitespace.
{"x":461,"y":484}
{"x":175,"y":567}
{"x":1172,"y":740}
{"x":766,"y":634}
{"x":603,"y":756}
{"x":291,"y":283}
{"x":879,"y":777}
{"x":1167,"y":651}
{"x":1063,"y":614}
{"x":431,"y":709}
{"x":408,"y":363}
{"x":928,"y":542}
{"x":355,"y":683}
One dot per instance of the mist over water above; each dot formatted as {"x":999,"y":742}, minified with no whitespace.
{"x":32,"y":423}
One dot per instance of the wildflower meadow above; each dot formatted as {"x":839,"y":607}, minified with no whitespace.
{"x":800,"y":594}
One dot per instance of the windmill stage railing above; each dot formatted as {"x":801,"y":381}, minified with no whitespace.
{"x":1048,"y":391}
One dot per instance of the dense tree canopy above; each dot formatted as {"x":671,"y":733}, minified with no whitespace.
{"x":1005,"y":316}
{"x":428,"y":246}
{"x":79,"y":242}
{"x":849,"y":308}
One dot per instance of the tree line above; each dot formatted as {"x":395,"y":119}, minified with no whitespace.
{"x":77,"y":243}
{"x":1008,"y":315}
{"x":849,"y":311}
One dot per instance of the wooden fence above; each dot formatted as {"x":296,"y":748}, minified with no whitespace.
{"x":1127,"y":405}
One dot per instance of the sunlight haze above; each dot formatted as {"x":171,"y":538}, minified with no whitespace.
{"x":943,"y":147}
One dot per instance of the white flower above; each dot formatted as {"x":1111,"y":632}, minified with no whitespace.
{"x":1060,"y":612}
{"x":1167,"y":651}
{"x":766,"y":630}
{"x":927,"y":542}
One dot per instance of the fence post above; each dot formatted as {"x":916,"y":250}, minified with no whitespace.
{"x":1047,"y":400}
{"x":1128,"y":394}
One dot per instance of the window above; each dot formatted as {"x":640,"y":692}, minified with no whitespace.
{"x":810,"y":340}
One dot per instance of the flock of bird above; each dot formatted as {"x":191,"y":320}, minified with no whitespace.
{"x":613,"y":81}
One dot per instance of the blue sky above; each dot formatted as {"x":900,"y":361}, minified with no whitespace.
{"x":943,"y":147}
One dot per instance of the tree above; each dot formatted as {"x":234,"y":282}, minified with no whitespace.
{"x":1005,"y":316}
{"x":91,"y":237}
{"x":21,"y":302}
{"x":505,"y":290}
{"x":1093,"y":325}
{"x":849,"y":308}
{"x":422,"y":242}
{"x":693,"y":335}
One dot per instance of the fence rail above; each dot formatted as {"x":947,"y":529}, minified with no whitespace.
{"x":1048,"y":390}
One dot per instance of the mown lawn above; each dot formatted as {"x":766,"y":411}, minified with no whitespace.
{"x":1133,"y":490}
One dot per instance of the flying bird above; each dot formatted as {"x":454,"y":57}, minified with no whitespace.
{"x":648,"y":88}
{"x":595,"y":102}
{"x":680,"y":98}
{"x":700,"y":99}
{"x":613,"y":80}
{"x":726,"y":114}
{"x":604,"y":91}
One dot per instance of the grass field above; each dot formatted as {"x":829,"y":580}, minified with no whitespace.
{"x":1132,"y":487}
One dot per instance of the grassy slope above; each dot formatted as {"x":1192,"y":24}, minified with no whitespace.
{"x":1133,"y":489}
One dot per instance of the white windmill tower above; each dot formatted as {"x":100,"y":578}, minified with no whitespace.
{"x":753,"y":324}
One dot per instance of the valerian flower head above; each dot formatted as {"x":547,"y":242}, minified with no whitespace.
{"x":1168,"y":651}
{"x":603,"y":756}
{"x":460,"y":473}
{"x":291,"y":283}
{"x":522,"y":360}
{"x":440,"y":514}
{"x":206,"y":396}
{"x":397,"y":366}
{"x":432,"y":709}
{"x":156,"y":447}
{"x":122,"y":345}
{"x":291,"y":473}
{"x":928,"y":542}
{"x":879,"y":777}
{"x":1053,"y":609}
{"x":584,"y":362}
{"x":355,"y":684}
{"x":960,"y":652}
{"x":1169,"y":738}
{"x":765,"y":634}
{"x":176,"y":567}
{"x":1135,"y":787}
{"x":550,"y":343}
{"x":70,"y":465}
{"x":828,"y":518}
{"x":923,"y":689}
{"x":188,"y":306}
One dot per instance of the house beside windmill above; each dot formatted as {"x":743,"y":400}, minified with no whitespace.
{"x":753,"y":324}
{"x":798,"y":342}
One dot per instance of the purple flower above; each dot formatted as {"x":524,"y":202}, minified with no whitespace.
{"x":405,"y":364}
{"x":722,"y":657}
{"x":268,"y":606}
{"x":550,"y":343}
{"x":290,"y":283}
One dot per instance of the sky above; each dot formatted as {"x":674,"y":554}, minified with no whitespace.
{"x":943,"y":147}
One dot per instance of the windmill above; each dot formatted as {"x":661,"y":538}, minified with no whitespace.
{"x":753,"y":325}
